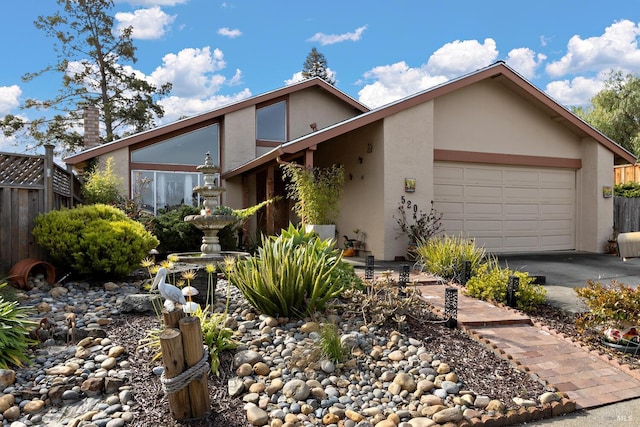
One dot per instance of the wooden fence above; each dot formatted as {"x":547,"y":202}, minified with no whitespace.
{"x":626,"y":173}
{"x":30,"y":185}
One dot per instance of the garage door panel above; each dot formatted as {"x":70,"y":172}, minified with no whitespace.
{"x":477,"y":228}
{"x":554,"y":226}
{"x":526,"y":209}
{"x":482,"y":192}
{"x":451,"y":175}
{"x":448,"y":191}
{"x":482,"y":176}
{"x":521,"y":179}
{"x":507,"y":208}
{"x":558,"y":179}
{"x":483,"y":209}
{"x":522,"y":227}
{"x":521,"y":194}
{"x":563,"y":210}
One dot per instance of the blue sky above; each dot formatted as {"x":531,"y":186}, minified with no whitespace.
{"x":216,"y":52}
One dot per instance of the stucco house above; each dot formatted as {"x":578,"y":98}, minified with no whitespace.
{"x":504,"y":163}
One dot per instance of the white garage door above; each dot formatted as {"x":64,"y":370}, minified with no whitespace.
{"x":507,"y":208}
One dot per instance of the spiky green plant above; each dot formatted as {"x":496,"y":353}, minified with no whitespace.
{"x":14,"y":332}
{"x":291,"y":275}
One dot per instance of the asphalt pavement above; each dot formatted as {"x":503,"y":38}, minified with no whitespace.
{"x":565,"y":270}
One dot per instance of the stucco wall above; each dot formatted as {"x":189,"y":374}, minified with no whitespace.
{"x":594,"y":212}
{"x":315,"y":106}
{"x":120,"y":168}
{"x":486,"y":117}
{"x":361,"y":205}
{"x":408,"y":153}
{"x":239,"y":138}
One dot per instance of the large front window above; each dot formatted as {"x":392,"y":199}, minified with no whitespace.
{"x":271,"y":122}
{"x":186,"y":149}
{"x":156,"y":190}
{"x":157,"y":186}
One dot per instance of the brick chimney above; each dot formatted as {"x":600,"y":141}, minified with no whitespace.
{"x":91,"y":116}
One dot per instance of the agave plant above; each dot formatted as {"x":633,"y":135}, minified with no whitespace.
{"x":14,"y":332}
{"x":291,"y":275}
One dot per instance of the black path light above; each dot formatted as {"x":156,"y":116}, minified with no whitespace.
{"x":368,"y":270}
{"x":512,"y":290}
{"x":466,"y":272}
{"x":451,"y":307}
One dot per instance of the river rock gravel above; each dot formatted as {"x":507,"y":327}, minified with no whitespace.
{"x":418,"y":373}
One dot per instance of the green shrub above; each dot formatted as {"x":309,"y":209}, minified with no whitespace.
{"x":174,"y":233}
{"x":615,"y":305}
{"x":96,"y":239}
{"x":445,"y":256}
{"x":102,"y":186}
{"x":14,"y":332}
{"x":216,"y":336}
{"x":627,"y":189}
{"x":291,"y":275}
{"x":491,"y":281}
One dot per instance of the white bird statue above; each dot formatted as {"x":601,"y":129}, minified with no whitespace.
{"x":171,"y":294}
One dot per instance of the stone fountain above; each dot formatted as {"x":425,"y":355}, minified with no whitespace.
{"x":209,"y":221}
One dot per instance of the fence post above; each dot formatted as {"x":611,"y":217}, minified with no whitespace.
{"x":198,"y":388}
{"x":48,"y":177}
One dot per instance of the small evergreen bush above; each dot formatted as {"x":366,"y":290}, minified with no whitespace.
{"x":95,"y":239}
{"x":491,"y":281}
{"x":174,"y":233}
{"x":445,"y":256}
{"x":14,"y":332}
{"x":291,"y":275}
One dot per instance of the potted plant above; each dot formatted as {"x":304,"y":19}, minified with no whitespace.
{"x":316,"y":192}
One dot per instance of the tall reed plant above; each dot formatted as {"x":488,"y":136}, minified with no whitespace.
{"x":446,"y":256}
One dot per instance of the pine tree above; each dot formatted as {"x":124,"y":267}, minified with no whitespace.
{"x":91,"y":61}
{"x":316,"y":66}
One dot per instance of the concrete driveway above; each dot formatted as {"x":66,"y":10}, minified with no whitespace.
{"x":565,"y":270}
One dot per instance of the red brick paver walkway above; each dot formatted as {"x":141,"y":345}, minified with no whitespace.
{"x":589,"y":379}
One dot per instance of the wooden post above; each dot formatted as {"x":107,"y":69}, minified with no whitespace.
{"x":173,"y":361}
{"x":171,"y":319}
{"x":48,"y":177}
{"x":193,"y":351}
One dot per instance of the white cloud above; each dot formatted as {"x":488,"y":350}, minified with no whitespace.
{"x":325,"y":39}
{"x":9,"y":98}
{"x":191,"y":72}
{"x":232,"y":34}
{"x":236,"y":79}
{"x":153,"y":2}
{"x":525,"y":61}
{"x":396,"y":81}
{"x":148,"y":24}
{"x":176,"y":107}
{"x":616,"y":48}
{"x":295,"y":78}
{"x":460,"y":57}
{"x":575,"y":92}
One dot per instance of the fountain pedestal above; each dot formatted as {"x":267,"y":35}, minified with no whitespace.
{"x":208,"y":221}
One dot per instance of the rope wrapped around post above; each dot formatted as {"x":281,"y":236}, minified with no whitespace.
{"x":177,"y":383}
